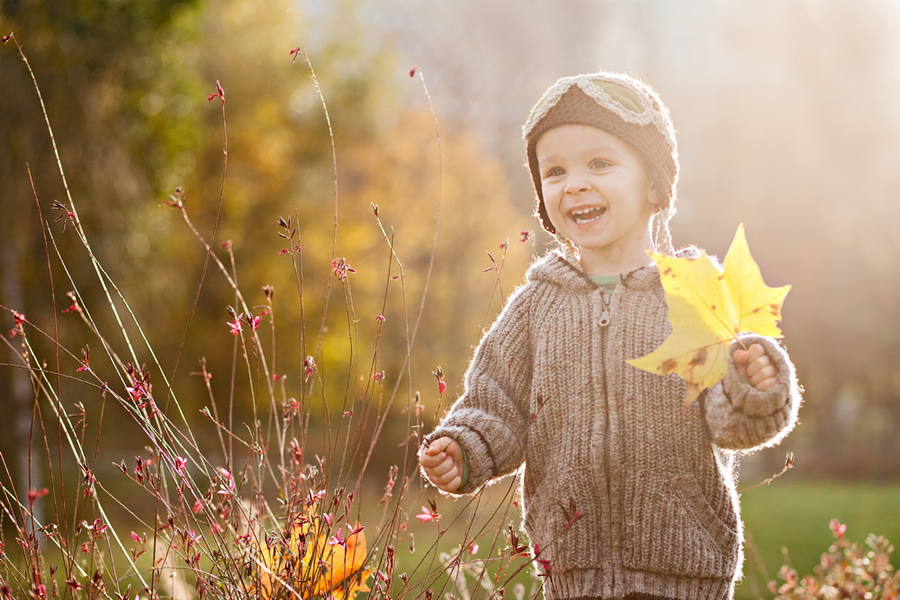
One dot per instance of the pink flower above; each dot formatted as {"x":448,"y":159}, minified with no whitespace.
{"x":98,"y":527}
{"x":33,"y":495}
{"x":136,"y":538}
{"x":341,"y":268}
{"x":428,"y":514}
{"x":235,"y":326}
{"x":190,"y":537}
{"x":220,"y":93}
{"x":439,"y":375}
{"x":85,"y":359}
{"x":89,"y":480}
{"x":312,"y":498}
{"x":180,"y":464}
{"x":309,"y":367}
{"x":227,"y":486}
{"x":838,"y":528}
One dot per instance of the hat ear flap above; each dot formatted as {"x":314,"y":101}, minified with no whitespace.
{"x":543,"y":216}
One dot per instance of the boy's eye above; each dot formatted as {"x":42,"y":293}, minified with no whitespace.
{"x":554,"y":172}
{"x":599,"y":163}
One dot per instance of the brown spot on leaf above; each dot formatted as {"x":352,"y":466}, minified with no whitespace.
{"x":699,"y":358}
{"x":668,"y":365}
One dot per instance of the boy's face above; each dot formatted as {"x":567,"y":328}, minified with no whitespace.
{"x":597,"y":193}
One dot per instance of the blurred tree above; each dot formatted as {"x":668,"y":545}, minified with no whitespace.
{"x":133,"y":125}
{"x":103,"y":68}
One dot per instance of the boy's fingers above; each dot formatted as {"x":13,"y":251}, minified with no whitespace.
{"x":442,"y":469}
{"x":740,"y":362}
{"x":429,"y":462}
{"x":439,"y":445}
{"x":453,"y":485}
{"x":756,"y":350}
{"x":766,"y":384}
{"x":454,"y":450}
{"x":445,"y":478}
{"x":764,"y":374}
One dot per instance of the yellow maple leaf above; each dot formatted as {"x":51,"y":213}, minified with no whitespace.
{"x":708,"y":308}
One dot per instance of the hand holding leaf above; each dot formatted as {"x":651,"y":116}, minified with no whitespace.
{"x":708,"y":309}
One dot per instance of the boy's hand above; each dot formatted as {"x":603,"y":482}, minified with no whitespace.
{"x":442,"y":461}
{"x":755,"y":366}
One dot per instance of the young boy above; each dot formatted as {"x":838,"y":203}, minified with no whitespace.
{"x":549,"y":386}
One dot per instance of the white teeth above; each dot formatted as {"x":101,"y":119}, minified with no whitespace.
{"x":586,"y":215}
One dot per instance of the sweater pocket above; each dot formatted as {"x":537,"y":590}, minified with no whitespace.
{"x":671,"y":527}
{"x":546,"y":504}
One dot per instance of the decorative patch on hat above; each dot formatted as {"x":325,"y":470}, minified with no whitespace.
{"x":591,"y":84}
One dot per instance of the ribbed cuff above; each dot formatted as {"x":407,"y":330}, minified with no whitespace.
{"x":743,"y":417}
{"x":479,"y":463}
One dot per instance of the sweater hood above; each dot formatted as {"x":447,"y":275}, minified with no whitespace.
{"x":556,"y":268}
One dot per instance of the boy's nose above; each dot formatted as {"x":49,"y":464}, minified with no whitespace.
{"x":576,"y":183}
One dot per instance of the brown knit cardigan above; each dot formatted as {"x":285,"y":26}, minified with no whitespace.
{"x":654,"y":480}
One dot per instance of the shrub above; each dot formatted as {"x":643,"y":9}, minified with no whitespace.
{"x":846,"y":570}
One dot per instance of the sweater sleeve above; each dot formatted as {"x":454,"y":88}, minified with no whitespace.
{"x":740,"y":417}
{"x":490,"y":419}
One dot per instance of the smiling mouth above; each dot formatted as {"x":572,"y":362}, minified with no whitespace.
{"x":586,"y":215}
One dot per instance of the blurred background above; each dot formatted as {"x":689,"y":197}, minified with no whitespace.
{"x":786,"y":118}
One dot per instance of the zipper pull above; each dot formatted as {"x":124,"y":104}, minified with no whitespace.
{"x":604,"y":315}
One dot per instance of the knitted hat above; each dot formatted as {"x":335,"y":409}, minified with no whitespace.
{"x":620,"y":105}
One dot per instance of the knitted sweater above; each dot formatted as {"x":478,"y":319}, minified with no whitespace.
{"x":549,"y":386}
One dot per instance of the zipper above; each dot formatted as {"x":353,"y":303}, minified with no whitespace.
{"x":603,"y":323}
